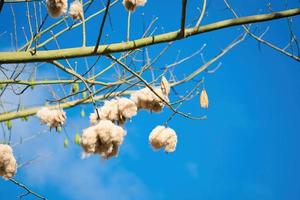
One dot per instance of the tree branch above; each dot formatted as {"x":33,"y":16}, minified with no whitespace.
{"x":41,"y":56}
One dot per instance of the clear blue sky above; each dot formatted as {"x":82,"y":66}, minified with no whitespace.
{"x":247,"y":149}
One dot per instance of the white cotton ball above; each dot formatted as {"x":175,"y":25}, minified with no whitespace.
{"x":94,"y":119}
{"x":89,"y":139}
{"x":8,"y":163}
{"x":103,"y":138}
{"x":147,"y":99}
{"x":52,"y":118}
{"x":127,"y":108}
{"x":110,"y":110}
{"x":75,"y":10}
{"x":116,"y":110}
{"x":161,"y":137}
{"x":131,"y":5}
{"x":56,"y":8}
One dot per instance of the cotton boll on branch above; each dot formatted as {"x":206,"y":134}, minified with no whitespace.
{"x":127,"y":108}
{"x":103,"y":139}
{"x":131,"y":5}
{"x":8,"y":163}
{"x":94,"y":118}
{"x":75,"y":10}
{"x":53,"y":118}
{"x":163,"y":137}
{"x":147,"y":99}
{"x":57,"y":8}
{"x":110,"y":110}
{"x":116,"y":110}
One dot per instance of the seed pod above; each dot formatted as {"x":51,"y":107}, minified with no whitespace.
{"x":75,"y":88}
{"x":203,"y":99}
{"x":8,"y":124}
{"x":66,"y":142}
{"x":77,"y":139}
{"x":82,"y":113}
{"x":58,"y":129}
{"x":83,"y":95}
{"x":24,"y":118}
{"x":165,"y":86}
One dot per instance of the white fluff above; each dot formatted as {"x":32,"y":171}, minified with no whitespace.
{"x":8,"y":163}
{"x":131,"y":5}
{"x":146,"y":99}
{"x":103,"y":139}
{"x":75,"y":10}
{"x":57,"y":8}
{"x":52,"y":118}
{"x":116,"y":110}
{"x":127,"y":108}
{"x":161,"y":137}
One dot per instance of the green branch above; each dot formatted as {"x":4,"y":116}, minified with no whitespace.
{"x":41,"y":56}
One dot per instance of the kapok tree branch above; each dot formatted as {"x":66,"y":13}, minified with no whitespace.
{"x":41,"y":56}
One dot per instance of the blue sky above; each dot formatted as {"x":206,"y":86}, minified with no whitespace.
{"x":247,"y":149}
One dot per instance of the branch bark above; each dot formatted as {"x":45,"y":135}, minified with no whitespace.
{"x":41,"y":56}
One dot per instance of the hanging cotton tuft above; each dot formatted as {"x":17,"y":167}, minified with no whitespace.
{"x":57,"y":8}
{"x":8,"y":163}
{"x":161,"y":137}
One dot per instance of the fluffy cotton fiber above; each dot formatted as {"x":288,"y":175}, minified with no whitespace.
{"x":163,"y":137}
{"x":131,"y":5}
{"x":75,"y":10}
{"x":116,"y":110}
{"x":52,"y":118}
{"x":146,"y":99}
{"x":8,"y":164}
{"x":56,"y":8}
{"x":103,"y":139}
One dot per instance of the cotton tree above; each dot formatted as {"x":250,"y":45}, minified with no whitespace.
{"x":78,"y":53}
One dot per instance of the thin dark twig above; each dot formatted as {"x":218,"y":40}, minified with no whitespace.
{"x":1,"y":4}
{"x":27,"y":189}
{"x":183,"y":17}
{"x":102,"y":26}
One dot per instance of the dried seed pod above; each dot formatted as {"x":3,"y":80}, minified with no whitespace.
{"x":76,"y":11}
{"x":57,"y":8}
{"x":8,"y":163}
{"x":161,"y":137}
{"x":165,"y":86}
{"x":203,"y":99}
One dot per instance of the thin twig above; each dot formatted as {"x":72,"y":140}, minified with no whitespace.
{"x":102,"y":26}
{"x":29,"y":191}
